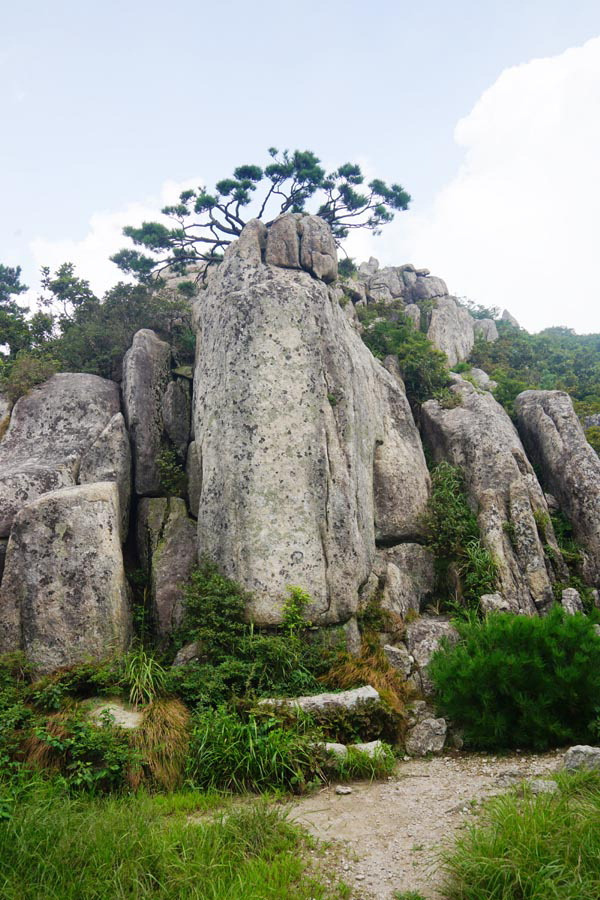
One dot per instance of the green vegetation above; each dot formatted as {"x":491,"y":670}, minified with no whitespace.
{"x":168,"y":848}
{"x":206,"y":223}
{"x":554,"y":359}
{"x":173,"y":480}
{"x":520,"y":681}
{"x":465,"y":569}
{"x":533,"y":847}
{"x":423,"y":368}
{"x":87,"y":334}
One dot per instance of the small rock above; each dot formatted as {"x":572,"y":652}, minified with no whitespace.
{"x":339,"y":750}
{"x":543,"y":786}
{"x":582,"y":758}
{"x":343,"y":790}
{"x":428,"y":736}
{"x":571,"y":601}
{"x":372,"y":748}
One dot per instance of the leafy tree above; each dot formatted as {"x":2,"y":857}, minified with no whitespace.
{"x":14,"y":331}
{"x":206,"y":223}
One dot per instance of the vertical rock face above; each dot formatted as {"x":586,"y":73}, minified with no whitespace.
{"x":292,"y":417}
{"x":479,"y":437}
{"x":166,"y":540}
{"x":146,"y":375}
{"x":451,"y":330}
{"x":51,"y":429}
{"x":570,"y":468}
{"x":64,"y":594}
{"x":109,"y":459}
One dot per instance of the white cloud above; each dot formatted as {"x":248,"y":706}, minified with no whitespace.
{"x":91,"y":255}
{"x":519,"y":224}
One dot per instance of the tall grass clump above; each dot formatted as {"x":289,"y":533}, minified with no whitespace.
{"x":521,"y":682}
{"x":160,"y":744}
{"x":63,"y":847}
{"x":544,"y":847}
{"x":230,"y":753}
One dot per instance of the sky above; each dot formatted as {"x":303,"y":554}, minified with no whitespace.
{"x":487,"y":113}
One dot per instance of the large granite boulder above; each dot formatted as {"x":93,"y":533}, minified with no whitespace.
{"x":451,"y":330}
{"x":307,"y":443}
{"x":109,"y":459}
{"x":146,"y":376}
{"x":51,"y":429}
{"x":485,"y":328}
{"x":407,"y":577}
{"x":478,"y":436}
{"x":166,"y":544}
{"x":64,"y":595}
{"x":297,"y":241}
{"x":569,"y":466}
{"x":176,"y":406}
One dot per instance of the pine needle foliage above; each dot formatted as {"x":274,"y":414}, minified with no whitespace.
{"x":521,"y":681}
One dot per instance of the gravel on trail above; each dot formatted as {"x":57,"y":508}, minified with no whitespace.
{"x":387,"y":836}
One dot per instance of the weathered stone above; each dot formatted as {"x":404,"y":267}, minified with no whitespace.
{"x":366,"y":269}
{"x":3,"y":545}
{"x":428,"y":288}
{"x":424,"y":635}
{"x":50,"y":430}
{"x":321,"y":703}
{"x":343,"y":789}
{"x":451,"y":330}
{"x":64,"y":594}
{"x":355,"y":290}
{"x":582,"y":758}
{"x":543,"y":786}
{"x":386,"y":285}
{"x":5,"y":407}
{"x":308,"y":444}
{"x":497,"y":603}
{"x":352,"y":637}
{"x":146,"y":374}
{"x":166,"y":539}
{"x":122,"y":715}
{"x":340,"y":751}
{"x":372,"y":749}
{"x":318,"y":253}
{"x":479,"y":437}
{"x":409,"y":577}
{"x":428,"y":736}
{"x":482,"y":379}
{"x":368,"y":591}
{"x":592,"y":421}
{"x":176,"y":409}
{"x":283,"y":243}
{"x":413,"y":313}
{"x":507,"y":317}
{"x":570,"y":468}
{"x":399,"y":658}
{"x":486,"y":328}
{"x":109,"y":459}
{"x":571,"y":601}
{"x":552,"y":503}
{"x":190,"y":653}
{"x":193,"y":471}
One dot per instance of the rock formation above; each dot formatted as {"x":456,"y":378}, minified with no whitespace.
{"x":478,"y":436}
{"x":64,"y":595}
{"x":51,"y":429}
{"x":307,"y":445}
{"x":570,"y":468}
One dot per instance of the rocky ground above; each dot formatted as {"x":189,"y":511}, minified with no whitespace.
{"x":387,"y":836}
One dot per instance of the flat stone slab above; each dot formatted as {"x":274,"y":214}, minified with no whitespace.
{"x":324,"y":702}
{"x":124,"y":715}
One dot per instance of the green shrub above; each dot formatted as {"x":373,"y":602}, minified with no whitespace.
{"x":241,"y":660}
{"x":173,"y":479}
{"x":423,"y":368}
{"x":531,"y":847}
{"x":228,"y":753}
{"x":463,"y":564}
{"x":521,"y":682}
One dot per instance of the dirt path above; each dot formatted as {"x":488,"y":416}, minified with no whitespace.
{"x":387,"y":835}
